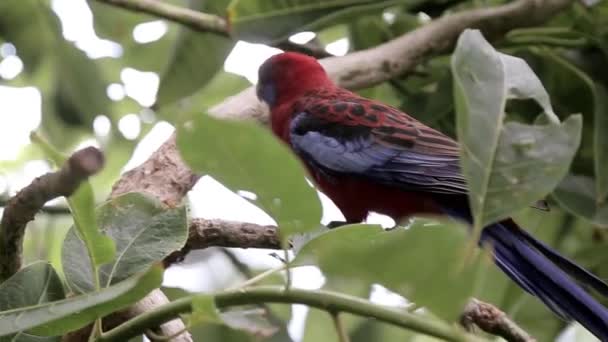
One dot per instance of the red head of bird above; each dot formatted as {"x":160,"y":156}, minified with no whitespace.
{"x":283,"y":79}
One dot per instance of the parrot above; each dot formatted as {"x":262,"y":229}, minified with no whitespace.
{"x":370,"y":157}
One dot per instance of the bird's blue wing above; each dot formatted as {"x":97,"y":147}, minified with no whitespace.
{"x":357,"y":150}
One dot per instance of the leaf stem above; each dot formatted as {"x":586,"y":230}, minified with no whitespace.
{"x":259,"y":277}
{"x":325,"y":300}
{"x":342,"y":334}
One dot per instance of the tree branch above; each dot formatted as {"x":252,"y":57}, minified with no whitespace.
{"x":198,"y":21}
{"x":222,"y":233}
{"x":22,"y":207}
{"x":493,"y":321}
{"x":321,"y":299}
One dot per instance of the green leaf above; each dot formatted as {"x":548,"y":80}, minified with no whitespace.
{"x":35,"y":284}
{"x":268,"y":21}
{"x":416,"y":262}
{"x":204,"y":310}
{"x":144,"y":231}
{"x":510,"y":165}
{"x":600,"y":143}
{"x":577,"y":194}
{"x":100,"y":248}
{"x":245,"y":156}
{"x":196,"y":58}
{"x":59,"y":317}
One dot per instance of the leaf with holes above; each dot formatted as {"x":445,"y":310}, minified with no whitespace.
{"x":144,"y":231}
{"x":509,"y":165}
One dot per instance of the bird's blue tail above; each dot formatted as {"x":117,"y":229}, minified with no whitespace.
{"x":548,"y":275}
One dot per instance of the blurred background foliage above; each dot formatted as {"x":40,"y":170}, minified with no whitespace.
{"x":147,"y":74}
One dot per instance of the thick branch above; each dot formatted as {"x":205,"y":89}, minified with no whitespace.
{"x":22,"y":207}
{"x":493,"y":321}
{"x":325,"y":300}
{"x":195,"y":20}
{"x":222,"y":233}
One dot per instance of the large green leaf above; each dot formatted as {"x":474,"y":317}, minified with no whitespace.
{"x":196,"y":58}
{"x":99,"y":247}
{"x":577,"y":194}
{"x":245,"y":156}
{"x":417,"y":262}
{"x":33,"y":285}
{"x":56,"y":318}
{"x":144,"y":231}
{"x":274,"y":20}
{"x":510,"y":165}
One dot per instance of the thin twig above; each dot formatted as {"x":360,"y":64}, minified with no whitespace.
{"x":492,"y":320}
{"x":47,"y":209}
{"x":198,"y":21}
{"x":22,"y":207}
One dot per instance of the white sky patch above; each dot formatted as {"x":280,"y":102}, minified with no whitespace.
{"x":150,"y":31}
{"x":302,"y":37}
{"x":381,"y":295}
{"x":246,"y":58}
{"x":389,"y":17}
{"x":339,"y":47}
{"x":383,"y":220}
{"x":141,"y":86}
{"x":77,"y":26}
{"x":330,"y":211}
{"x":130,"y":126}
{"x":150,"y":143}
{"x":86,"y":143}
{"x":423,"y":17}
{"x":102,"y":126}
{"x":21,"y":114}
{"x":115,"y":91}
{"x":7,"y":49}
{"x":10,"y":67}
{"x":20,"y":178}
{"x":212,"y":200}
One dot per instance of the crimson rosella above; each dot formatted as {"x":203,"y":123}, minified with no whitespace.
{"x":367,"y":156}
